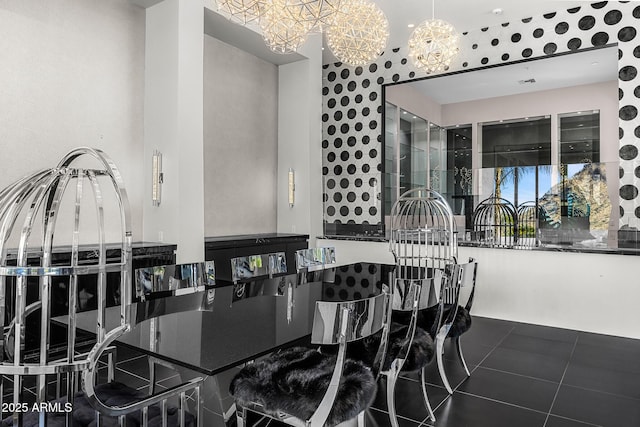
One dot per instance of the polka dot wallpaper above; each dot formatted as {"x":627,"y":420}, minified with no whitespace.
{"x":352,"y":100}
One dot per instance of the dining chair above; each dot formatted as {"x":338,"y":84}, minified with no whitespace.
{"x":449,"y":319}
{"x":423,"y":241}
{"x":49,"y":207}
{"x":310,"y":387}
{"x":410,"y":347}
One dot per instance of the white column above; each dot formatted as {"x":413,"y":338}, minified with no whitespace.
{"x":173,"y":124}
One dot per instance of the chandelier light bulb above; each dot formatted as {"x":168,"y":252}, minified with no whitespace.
{"x":359,"y":32}
{"x":242,"y":11}
{"x":433,"y":45}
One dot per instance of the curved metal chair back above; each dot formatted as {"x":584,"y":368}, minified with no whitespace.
{"x":30,"y":211}
{"x":494,"y":222}
{"x":34,"y":220}
{"x":422,"y":233}
{"x":423,"y":241}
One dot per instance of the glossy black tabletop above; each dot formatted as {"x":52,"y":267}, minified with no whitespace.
{"x":243,"y":323}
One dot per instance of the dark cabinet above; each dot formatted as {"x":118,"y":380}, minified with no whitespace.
{"x":223,"y":248}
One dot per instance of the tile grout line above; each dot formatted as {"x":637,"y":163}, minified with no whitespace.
{"x":455,"y":389}
{"x":398,"y":415}
{"x":566,"y":368}
{"x":490,"y":399}
{"x":595,"y":390}
{"x":578,"y":421}
{"x":517,"y":375}
{"x":490,"y":353}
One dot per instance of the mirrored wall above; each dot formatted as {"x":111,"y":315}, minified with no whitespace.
{"x":525,"y":168}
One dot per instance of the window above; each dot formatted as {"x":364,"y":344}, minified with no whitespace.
{"x":407,"y":151}
{"x":521,"y":142}
{"x":579,"y":137}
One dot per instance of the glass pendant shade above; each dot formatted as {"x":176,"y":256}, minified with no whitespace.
{"x":433,"y":45}
{"x":359,"y":32}
{"x":242,"y":11}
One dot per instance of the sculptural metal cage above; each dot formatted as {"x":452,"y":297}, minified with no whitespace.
{"x":495,"y":223}
{"x":527,"y":225}
{"x":38,"y":214}
{"x":422,"y":234}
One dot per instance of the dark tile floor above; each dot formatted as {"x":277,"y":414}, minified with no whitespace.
{"x":521,"y":375}
{"x":526,"y":375}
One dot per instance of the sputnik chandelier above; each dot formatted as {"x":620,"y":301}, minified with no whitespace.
{"x":242,"y":11}
{"x":357,"y":31}
{"x":434,"y":44}
{"x":282,"y":29}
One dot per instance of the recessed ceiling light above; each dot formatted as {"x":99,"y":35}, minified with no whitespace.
{"x":404,"y":112}
{"x":497,"y":11}
{"x":595,"y":63}
{"x":411,"y":25}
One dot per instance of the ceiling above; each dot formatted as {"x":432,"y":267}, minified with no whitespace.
{"x":594,"y":66}
{"x":245,"y":38}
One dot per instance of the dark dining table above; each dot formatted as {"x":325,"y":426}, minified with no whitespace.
{"x":246,"y":320}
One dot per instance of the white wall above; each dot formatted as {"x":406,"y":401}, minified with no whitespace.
{"x":299,"y":142}
{"x":72,"y":75}
{"x":240,"y":141}
{"x":414,"y":101}
{"x":587,"y":292}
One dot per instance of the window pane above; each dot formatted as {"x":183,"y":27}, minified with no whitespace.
{"x":522,"y":142}
{"x":390,"y":170}
{"x":460,"y":169}
{"x":579,"y":137}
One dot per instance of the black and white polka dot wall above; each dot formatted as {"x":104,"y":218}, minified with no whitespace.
{"x":352,"y":99}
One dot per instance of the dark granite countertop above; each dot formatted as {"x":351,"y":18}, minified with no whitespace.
{"x":547,"y":247}
{"x":255,"y":236}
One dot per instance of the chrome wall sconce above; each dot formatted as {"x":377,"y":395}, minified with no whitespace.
{"x":157,"y":177}
{"x":292,"y":187}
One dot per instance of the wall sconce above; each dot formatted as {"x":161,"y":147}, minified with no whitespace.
{"x":292,"y":187}
{"x":157,"y":177}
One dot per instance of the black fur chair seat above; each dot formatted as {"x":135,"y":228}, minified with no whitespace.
{"x":420,"y":353}
{"x":111,"y":394}
{"x":295,"y":380}
{"x":460,"y":325}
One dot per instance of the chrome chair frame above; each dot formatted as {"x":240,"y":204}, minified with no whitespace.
{"x":423,"y":240}
{"x":29,"y":212}
{"x":410,"y":296}
{"x":467,"y":277}
{"x":336,"y":323}
{"x":455,"y":276}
